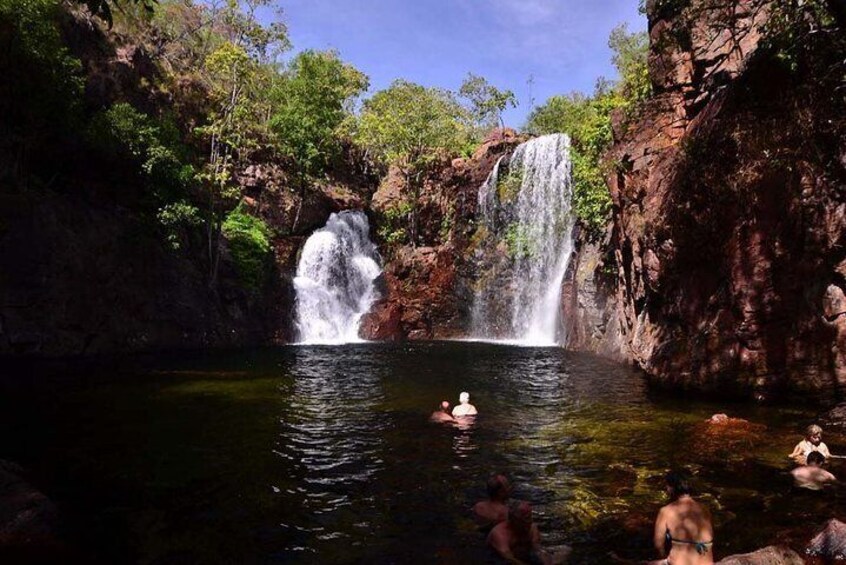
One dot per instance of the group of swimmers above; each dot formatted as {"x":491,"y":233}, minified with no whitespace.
{"x":810,"y":454}
{"x":462,"y":410}
{"x":683,"y":532}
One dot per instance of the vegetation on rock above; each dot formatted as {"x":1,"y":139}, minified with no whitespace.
{"x":249,"y":242}
{"x":411,"y":126}
{"x":587,"y":120}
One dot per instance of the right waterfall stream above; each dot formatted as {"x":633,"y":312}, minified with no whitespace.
{"x":523,"y":244}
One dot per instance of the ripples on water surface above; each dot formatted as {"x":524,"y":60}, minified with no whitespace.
{"x":325,"y":454}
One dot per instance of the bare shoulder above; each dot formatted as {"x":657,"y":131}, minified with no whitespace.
{"x":497,"y":532}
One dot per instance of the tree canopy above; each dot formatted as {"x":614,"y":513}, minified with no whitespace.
{"x":487,"y":102}
{"x":410,"y":125}
{"x":310,"y":101}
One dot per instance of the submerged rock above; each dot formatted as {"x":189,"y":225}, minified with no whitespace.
{"x":27,"y":518}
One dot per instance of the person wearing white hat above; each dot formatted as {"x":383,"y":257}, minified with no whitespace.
{"x":464,"y":408}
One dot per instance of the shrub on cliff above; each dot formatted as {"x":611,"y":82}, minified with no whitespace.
{"x":249,"y":242}
{"x":487,"y":102}
{"x":152,"y":145}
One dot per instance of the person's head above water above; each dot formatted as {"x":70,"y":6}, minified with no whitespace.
{"x":815,"y":459}
{"x":678,"y":484}
{"x":443,"y":406}
{"x":813,"y":433}
{"x":498,"y":487}
{"x":464,"y":397}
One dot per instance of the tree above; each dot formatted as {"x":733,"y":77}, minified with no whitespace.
{"x":409,"y":126}
{"x":309,"y":104}
{"x":236,"y":75}
{"x":40,"y":92}
{"x":487,"y":102}
{"x":631,"y":53}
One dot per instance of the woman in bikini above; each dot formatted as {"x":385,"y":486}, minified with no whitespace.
{"x":683,"y":531}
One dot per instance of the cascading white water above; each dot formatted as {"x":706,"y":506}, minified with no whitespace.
{"x":335,"y":282}
{"x":528,"y":221}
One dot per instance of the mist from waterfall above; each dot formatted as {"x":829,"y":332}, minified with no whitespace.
{"x":335,"y":282}
{"x":525,"y":244}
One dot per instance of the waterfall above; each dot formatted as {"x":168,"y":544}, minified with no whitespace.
{"x":335,"y":282}
{"x":524,"y":244}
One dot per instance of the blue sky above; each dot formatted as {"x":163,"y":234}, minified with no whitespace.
{"x":562,"y":44}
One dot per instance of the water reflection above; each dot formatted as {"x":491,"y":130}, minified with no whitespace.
{"x":331,"y":438}
{"x":327,"y":455}
{"x":462,"y":442}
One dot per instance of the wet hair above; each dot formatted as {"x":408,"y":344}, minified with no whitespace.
{"x":679,"y":481}
{"x":813,"y":429}
{"x":496,"y":483}
{"x":815,"y":457}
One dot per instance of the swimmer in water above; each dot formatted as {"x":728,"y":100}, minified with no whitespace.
{"x":464,"y":408}
{"x":441,"y":414}
{"x":494,"y":510}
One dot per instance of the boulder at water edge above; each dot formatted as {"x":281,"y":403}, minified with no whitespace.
{"x":27,"y":519}
{"x":770,"y":555}
{"x":830,"y":543}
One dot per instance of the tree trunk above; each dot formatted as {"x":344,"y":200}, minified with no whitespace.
{"x":302,"y":183}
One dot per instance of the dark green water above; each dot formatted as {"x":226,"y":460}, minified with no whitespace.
{"x":325,"y":454}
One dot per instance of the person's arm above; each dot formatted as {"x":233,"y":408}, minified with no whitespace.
{"x":797,"y":451}
{"x":823,"y":448}
{"x":535,"y":538}
{"x":500,"y":544}
{"x":659,"y":536}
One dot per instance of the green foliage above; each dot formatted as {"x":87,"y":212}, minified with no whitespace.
{"x":587,"y":119}
{"x":249,"y":241}
{"x":392,"y":230}
{"x":791,"y":23}
{"x":41,"y":85}
{"x":310,"y":104}
{"x":519,"y":243}
{"x":588,"y":122}
{"x":123,"y":131}
{"x":487,"y":102}
{"x":630,"y":58}
{"x":446,"y":224}
{"x":409,"y":125}
{"x":175,"y":218}
{"x":508,"y":185}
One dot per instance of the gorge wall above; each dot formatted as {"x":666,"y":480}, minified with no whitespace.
{"x":83,"y":268}
{"x":723,"y":268}
{"x":730,"y":207}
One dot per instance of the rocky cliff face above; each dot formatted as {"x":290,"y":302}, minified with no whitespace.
{"x":730,"y":208}
{"x":428,"y":287}
{"x":83,"y":270}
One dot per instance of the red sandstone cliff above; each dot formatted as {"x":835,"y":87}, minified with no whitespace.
{"x":428,"y":288}
{"x":730,"y":208}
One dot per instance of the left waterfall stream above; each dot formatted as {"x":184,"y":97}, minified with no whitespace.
{"x":336,"y":280}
